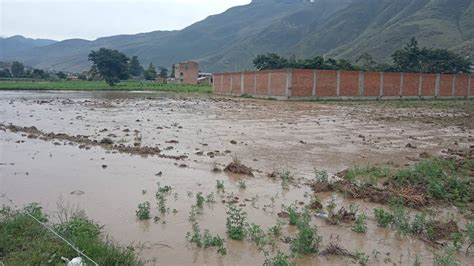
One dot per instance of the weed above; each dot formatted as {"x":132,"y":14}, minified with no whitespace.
{"x":321,"y":176}
{"x":242,"y":184}
{"x":307,"y":240}
{"x":143,"y":212}
{"x":458,"y":240}
{"x":257,"y":235}
{"x":446,"y":257}
{"x":23,"y":241}
{"x":220,"y":185}
{"x":362,"y":258}
{"x":417,"y":261}
{"x":470,"y":235}
{"x":369,"y":174}
{"x":279,"y":260}
{"x":275,"y":230}
{"x":360,"y":225}
{"x":332,"y":205}
{"x":210,"y":198}
{"x":161,"y":202}
{"x":236,"y":222}
{"x":293,"y":214}
{"x":383,"y":218}
{"x":200,"y":200}
{"x":203,"y":240}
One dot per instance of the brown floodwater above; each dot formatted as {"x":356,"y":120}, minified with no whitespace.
{"x":268,"y":136}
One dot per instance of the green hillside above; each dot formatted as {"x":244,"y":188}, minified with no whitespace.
{"x":301,"y":28}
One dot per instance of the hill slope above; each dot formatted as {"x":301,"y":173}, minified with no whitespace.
{"x":16,"y":45}
{"x":228,"y":41}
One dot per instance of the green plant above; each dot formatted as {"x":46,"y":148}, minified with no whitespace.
{"x":161,"y":202}
{"x":383,"y":217}
{"x":368,"y":174}
{"x":417,"y":261}
{"x":362,"y":258}
{"x":332,"y":205}
{"x":360,"y":225}
{"x":275,"y":230}
{"x":446,"y":257}
{"x":236,"y":222}
{"x":210,"y":198}
{"x":470,"y":235}
{"x":279,"y":260}
{"x":321,"y":176}
{"x":242,"y":184}
{"x":204,"y":240}
{"x":293,"y":214}
{"x":143,"y":212}
{"x":307,"y":240}
{"x":458,"y":240}
{"x":200,"y":200}
{"x":220,"y":185}
{"x":257,"y":235}
{"x":401,"y":219}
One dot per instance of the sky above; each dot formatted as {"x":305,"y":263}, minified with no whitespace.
{"x":90,"y":19}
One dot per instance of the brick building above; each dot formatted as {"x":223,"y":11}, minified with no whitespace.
{"x":186,"y":72}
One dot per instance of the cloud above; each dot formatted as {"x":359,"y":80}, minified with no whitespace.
{"x":90,"y":19}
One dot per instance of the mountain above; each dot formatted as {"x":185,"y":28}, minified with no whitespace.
{"x":301,"y":28}
{"x":16,"y":45}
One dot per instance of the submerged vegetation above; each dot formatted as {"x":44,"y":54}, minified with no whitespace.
{"x":23,"y":241}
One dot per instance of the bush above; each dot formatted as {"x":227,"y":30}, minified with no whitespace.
{"x":307,"y":241}
{"x":236,"y":223}
{"x":383,"y":217}
{"x":360,"y":225}
{"x":143,"y":212}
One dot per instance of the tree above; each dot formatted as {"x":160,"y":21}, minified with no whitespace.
{"x":18,"y":69}
{"x":5,"y":73}
{"x":414,"y":59}
{"x":269,"y":61}
{"x":367,"y":62}
{"x":163,"y":73}
{"x":135,"y":68}
{"x":150,"y":73}
{"x":61,"y":75}
{"x":112,"y":65}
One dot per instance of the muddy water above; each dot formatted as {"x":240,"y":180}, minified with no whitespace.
{"x":265,"y":135}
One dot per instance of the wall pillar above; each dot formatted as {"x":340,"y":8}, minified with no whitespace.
{"x":469,"y":86}
{"x":242,"y":86}
{"x":315,"y":80}
{"x":255,"y":83}
{"x":381,"y":84}
{"x":269,"y":83}
{"x":402,"y":77}
{"x":438,"y":83}
{"x":420,"y":85}
{"x":289,"y":82}
{"x":453,"y":92}
{"x":361,"y":83}
{"x":222,"y":82}
{"x":338,"y":83}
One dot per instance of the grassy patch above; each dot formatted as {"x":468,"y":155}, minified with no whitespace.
{"x":25,"y":242}
{"x":368,"y":174}
{"x":80,"y":85}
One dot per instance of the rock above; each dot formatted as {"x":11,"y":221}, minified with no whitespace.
{"x":283,"y":214}
{"x":78,"y":193}
{"x":233,"y":142}
{"x":104,"y":166}
{"x":106,"y":141}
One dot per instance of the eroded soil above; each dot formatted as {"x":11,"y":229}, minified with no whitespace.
{"x":106,"y":152}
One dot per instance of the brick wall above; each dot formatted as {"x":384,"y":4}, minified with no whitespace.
{"x":316,"y":84}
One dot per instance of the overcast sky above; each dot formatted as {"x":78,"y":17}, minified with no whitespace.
{"x":90,"y":19}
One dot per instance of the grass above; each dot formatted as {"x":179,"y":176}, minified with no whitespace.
{"x":25,"y":242}
{"x":80,"y":85}
{"x":368,"y":174}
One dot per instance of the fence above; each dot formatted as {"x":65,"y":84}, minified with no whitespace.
{"x":332,"y":84}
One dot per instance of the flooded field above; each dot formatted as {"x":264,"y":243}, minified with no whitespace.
{"x":106,"y":152}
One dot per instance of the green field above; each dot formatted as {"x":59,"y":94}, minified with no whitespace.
{"x":80,"y":85}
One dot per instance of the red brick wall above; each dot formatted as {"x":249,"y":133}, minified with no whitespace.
{"x":446,"y":85}
{"x":302,"y":85}
{"x":391,"y":84}
{"x":249,"y":81}
{"x":278,"y":82}
{"x":411,"y":84}
{"x":326,"y":83}
{"x":262,"y":83}
{"x":461,"y":88}
{"x":372,"y":84}
{"x":428,"y":85}
{"x":236,"y":79}
{"x":349,"y":83}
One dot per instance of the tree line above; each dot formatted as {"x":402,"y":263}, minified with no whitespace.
{"x":18,"y":70}
{"x":411,"y":58}
{"x":114,"y":66}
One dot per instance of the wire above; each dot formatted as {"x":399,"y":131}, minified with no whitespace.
{"x":52,"y":231}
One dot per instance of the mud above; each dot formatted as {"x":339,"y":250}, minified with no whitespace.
{"x":63,"y":158}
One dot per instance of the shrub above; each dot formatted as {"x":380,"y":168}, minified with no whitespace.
{"x":307,"y":240}
{"x":236,"y":222}
{"x":383,"y":217}
{"x":143,"y":212}
{"x":200,"y":200}
{"x":360,"y":225}
{"x":279,"y":260}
